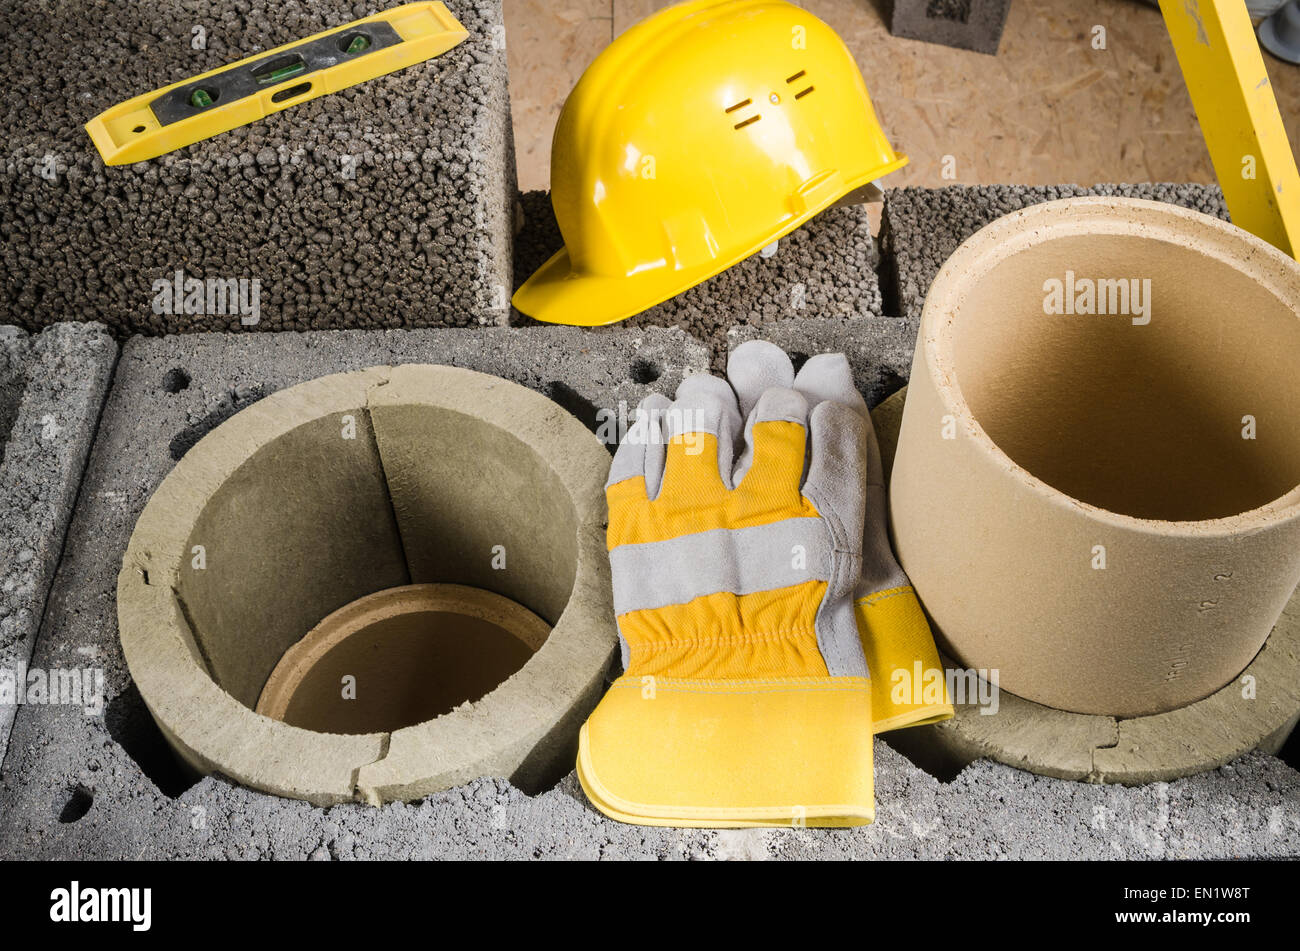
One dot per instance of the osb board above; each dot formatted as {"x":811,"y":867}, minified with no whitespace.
{"x":1047,"y":109}
{"x":548,"y":45}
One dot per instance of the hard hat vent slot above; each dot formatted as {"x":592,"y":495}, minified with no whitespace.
{"x":741,"y":105}
{"x":797,"y":76}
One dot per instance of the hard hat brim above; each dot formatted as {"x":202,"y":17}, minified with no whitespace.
{"x":557,"y":294}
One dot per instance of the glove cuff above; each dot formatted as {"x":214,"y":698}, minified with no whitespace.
{"x":909,"y":687}
{"x":731,"y":753}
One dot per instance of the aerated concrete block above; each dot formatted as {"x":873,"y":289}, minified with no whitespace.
{"x":387,"y":204}
{"x":52,"y":386}
{"x":965,"y":24}
{"x":922,"y":227}
{"x":827,"y":268}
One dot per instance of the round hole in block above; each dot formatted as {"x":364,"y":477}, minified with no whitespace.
{"x":358,"y":493}
{"x":400,"y":657}
{"x":175,"y":380}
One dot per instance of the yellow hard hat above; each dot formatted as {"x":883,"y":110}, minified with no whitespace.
{"x":697,"y":138}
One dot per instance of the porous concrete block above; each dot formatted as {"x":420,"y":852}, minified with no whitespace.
{"x":879,"y":349}
{"x":387,"y":204}
{"x":827,"y":268}
{"x":52,"y":386}
{"x":964,"y":24}
{"x":922,"y":227}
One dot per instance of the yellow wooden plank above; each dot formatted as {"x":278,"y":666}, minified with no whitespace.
{"x":1224,"y":72}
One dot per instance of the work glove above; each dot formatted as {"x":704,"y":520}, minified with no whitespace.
{"x":907,"y":678}
{"x":735,"y":555}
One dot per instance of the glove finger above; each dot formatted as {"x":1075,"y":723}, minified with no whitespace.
{"x":838,"y":451}
{"x":641,"y":452}
{"x":775,"y":453}
{"x":880,"y":568}
{"x":754,"y":368}
{"x":837,"y":448}
{"x":828,"y":376}
{"x":698,"y":429}
{"x":708,"y":405}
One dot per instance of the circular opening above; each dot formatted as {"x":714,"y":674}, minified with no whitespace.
{"x":341,"y":499}
{"x":316,"y":539}
{"x":175,"y":380}
{"x":644,"y":371}
{"x":1143,"y":373}
{"x":400,"y":657}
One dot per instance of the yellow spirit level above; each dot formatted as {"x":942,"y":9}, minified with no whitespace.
{"x":198,"y":108}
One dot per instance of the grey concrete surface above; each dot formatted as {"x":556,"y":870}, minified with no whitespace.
{"x":1248,"y":809}
{"x":922,"y":227}
{"x":879,"y":349}
{"x":383,"y":205}
{"x":52,"y":386}
{"x":827,"y":268}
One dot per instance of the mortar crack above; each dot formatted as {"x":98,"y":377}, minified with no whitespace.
{"x":388,"y":493}
{"x":1094,"y":774}
{"x":368,"y":795}
{"x":194,"y":633}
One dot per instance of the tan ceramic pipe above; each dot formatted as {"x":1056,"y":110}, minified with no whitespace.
{"x":1097,"y":486}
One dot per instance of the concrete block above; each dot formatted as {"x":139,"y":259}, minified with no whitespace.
{"x":922,"y":227}
{"x":52,"y":387}
{"x":387,"y":204}
{"x":964,"y":24}
{"x":167,"y":393}
{"x":879,"y":348}
{"x":825,"y":269}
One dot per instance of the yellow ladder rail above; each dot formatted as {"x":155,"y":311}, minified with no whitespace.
{"x":1224,"y":71}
